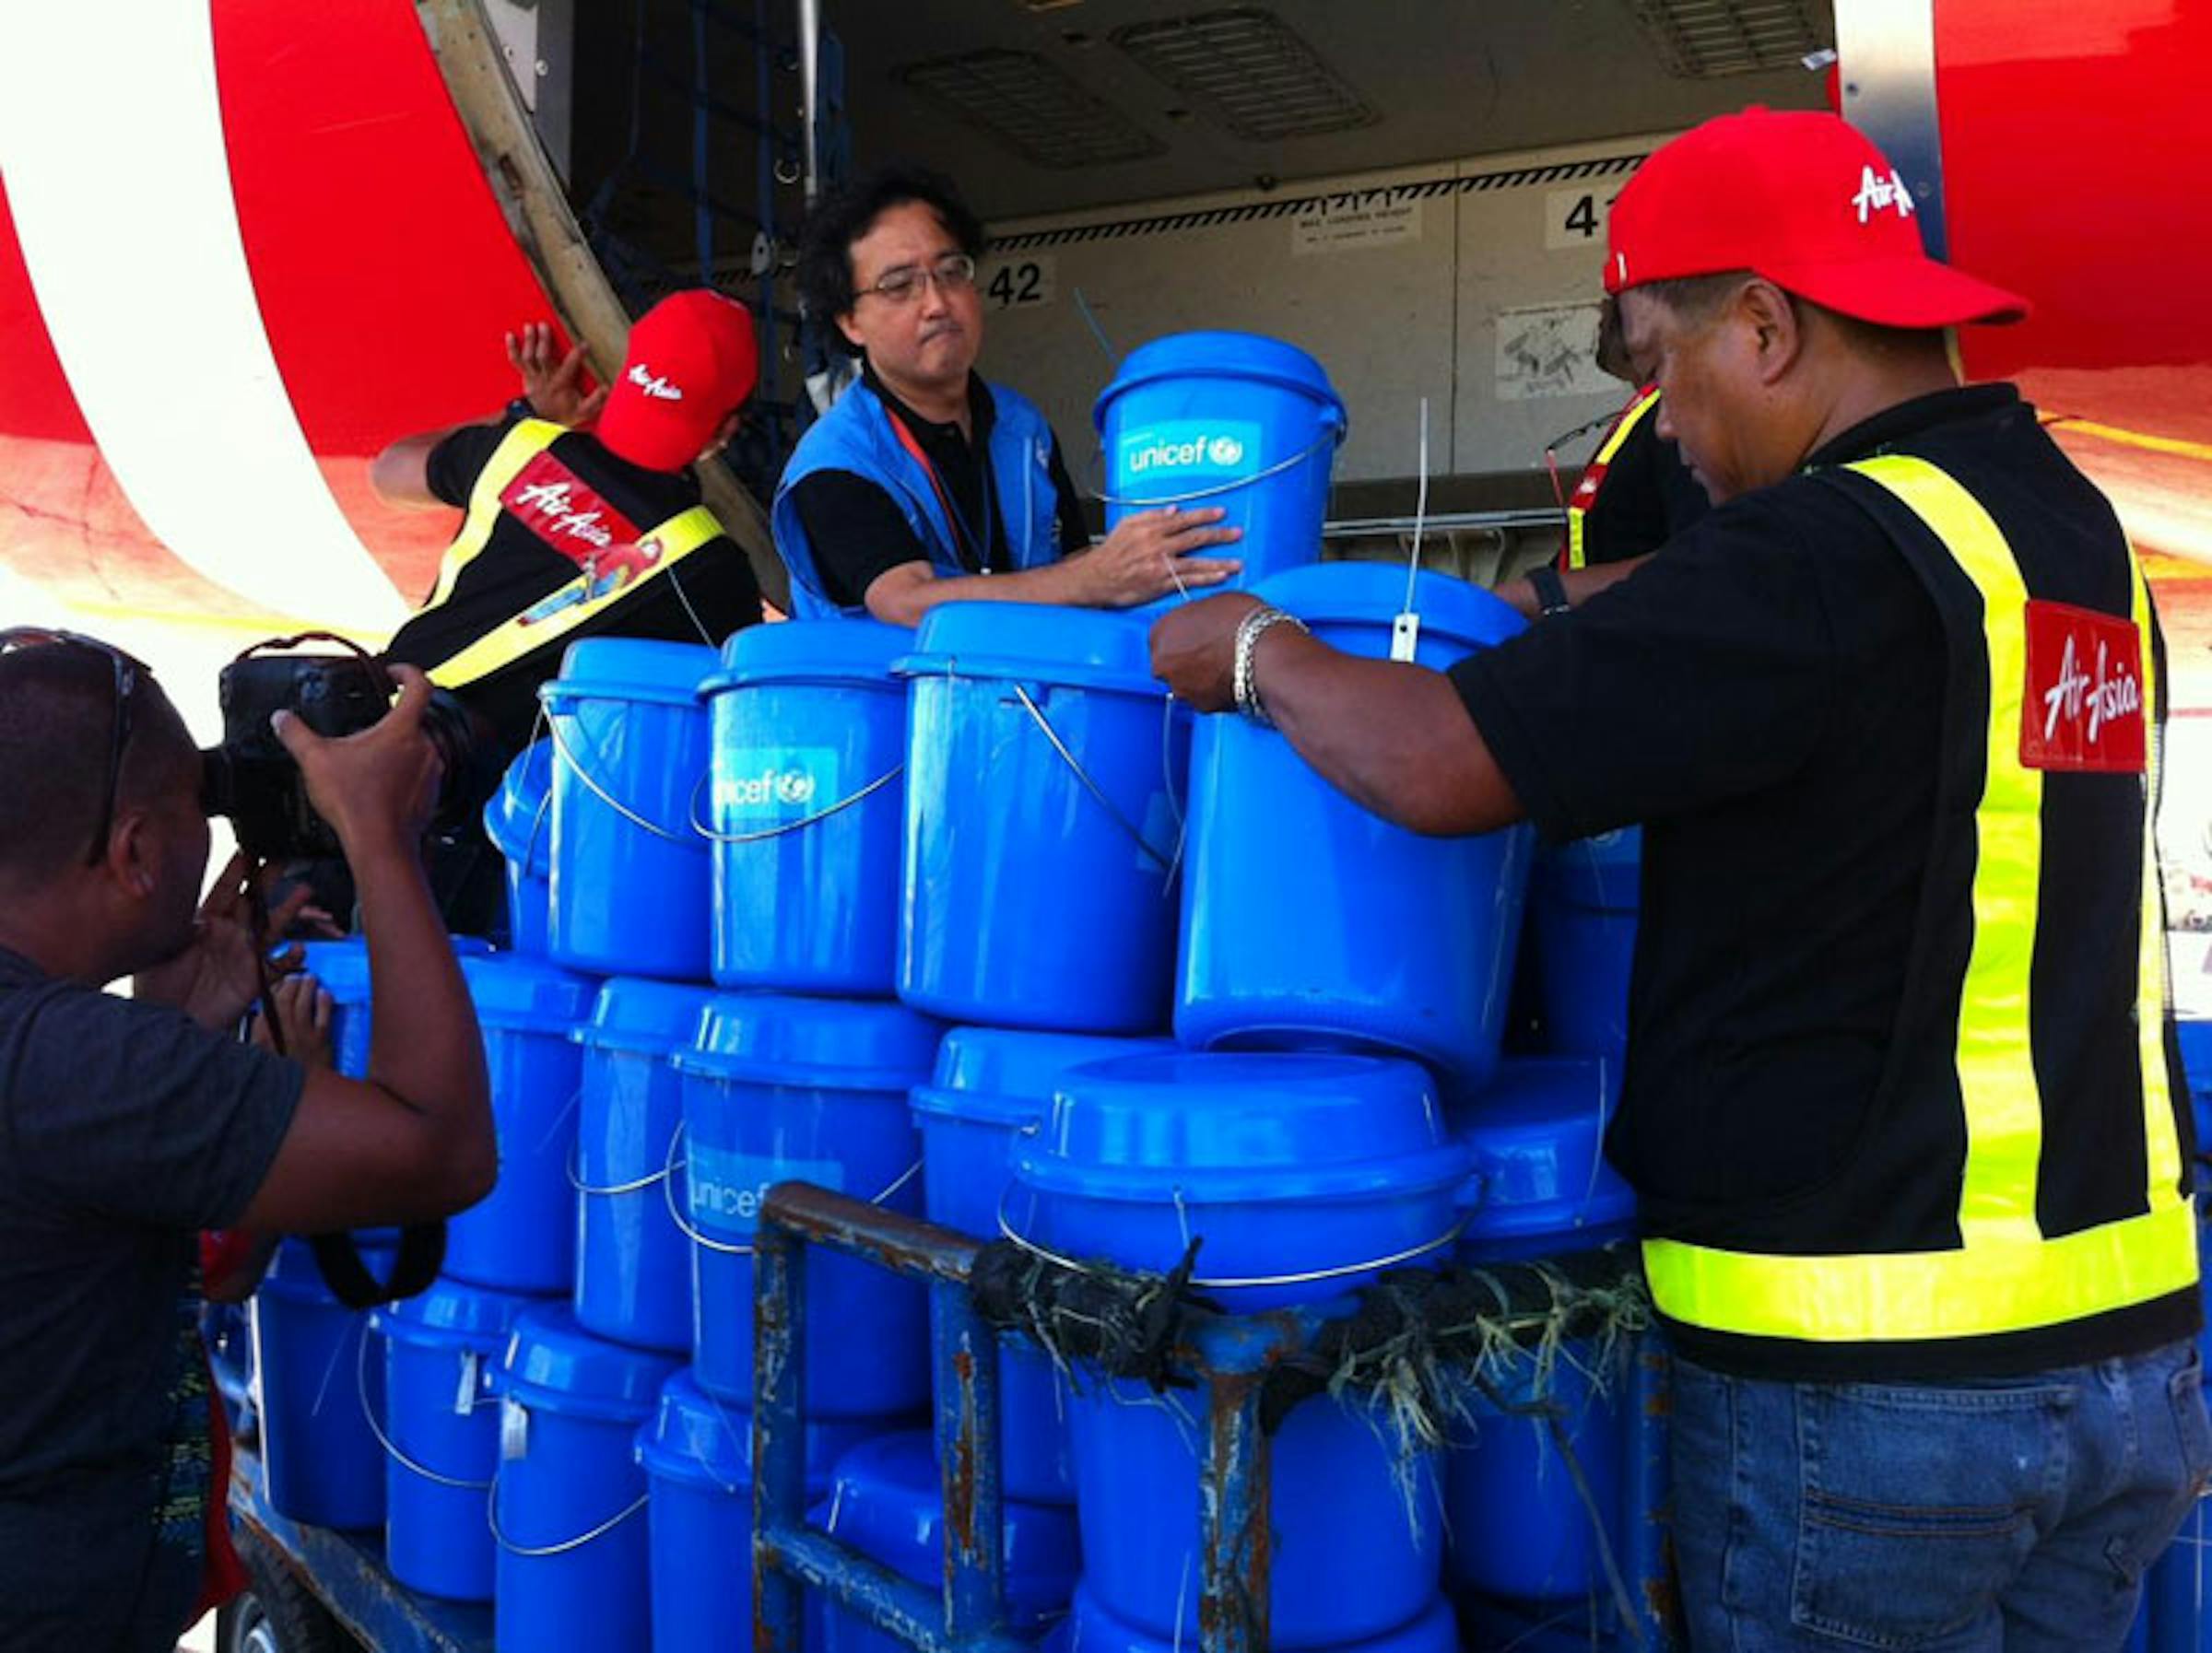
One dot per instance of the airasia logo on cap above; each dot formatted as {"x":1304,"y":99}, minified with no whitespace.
{"x":1877,"y":194}
{"x":2083,"y":708}
{"x":655,"y":386}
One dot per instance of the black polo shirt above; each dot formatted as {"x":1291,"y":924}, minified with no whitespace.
{"x":517,"y":569}
{"x":858,"y":532}
{"x":1766,"y":697}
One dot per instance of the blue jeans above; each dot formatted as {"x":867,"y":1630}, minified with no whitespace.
{"x":2014,"y":1514}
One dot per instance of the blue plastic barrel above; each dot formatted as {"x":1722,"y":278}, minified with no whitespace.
{"x":629,"y":892}
{"x":441,"y":1434}
{"x":993,"y":1088}
{"x":811,"y":1090}
{"x":1235,"y":420}
{"x":1408,"y":945}
{"x":808,"y":805}
{"x":1519,"y":1528}
{"x":1089,"y":1628}
{"x":1044,"y":778}
{"x":567,"y":1505}
{"x":522,"y":1235}
{"x":1581,"y":930}
{"x":1303,"y":1175}
{"x":886,"y":1500}
{"x":698,"y":1456}
{"x":316,"y":1388}
{"x":633,"y":1265}
{"x":517,"y":822}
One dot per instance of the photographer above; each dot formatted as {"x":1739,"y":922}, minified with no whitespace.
{"x":127,"y":1125}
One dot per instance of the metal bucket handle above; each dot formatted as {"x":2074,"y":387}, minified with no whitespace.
{"x":766,"y":833}
{"x":1331,"y":433}
{"x":560,"y":747}
{"x":683,"y":1222}
{"x":390,"y":1446}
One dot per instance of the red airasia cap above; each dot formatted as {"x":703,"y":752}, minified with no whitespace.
{"x":1803,"y":199}
{"x":691,"y":360}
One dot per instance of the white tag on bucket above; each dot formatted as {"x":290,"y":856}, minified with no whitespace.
{"x":465,"y":1398}
{"x":514,"y":1431}
{"x":1404,"y":637}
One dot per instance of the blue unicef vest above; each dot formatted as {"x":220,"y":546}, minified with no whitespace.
{"x":855,"y":435}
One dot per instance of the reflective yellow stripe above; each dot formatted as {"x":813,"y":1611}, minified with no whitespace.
{"x":1638,"y":411}
{"x":2006,"y":1287}
{"x":679,"y":536}
{"x":2004,"y":1276}
{"x":2161,"y":1137}
{"x":518,"y":448}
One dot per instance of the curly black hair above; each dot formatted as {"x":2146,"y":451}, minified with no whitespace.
{"x":843,"y":215}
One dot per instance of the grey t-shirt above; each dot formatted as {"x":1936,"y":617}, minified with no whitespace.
{"x":124,"y":1129}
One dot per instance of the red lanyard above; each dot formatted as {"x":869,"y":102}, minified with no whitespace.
{"x":962,"y":533}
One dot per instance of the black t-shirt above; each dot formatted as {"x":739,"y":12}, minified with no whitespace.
{"x":517,"y":570}
{"x":1766,"y":697}
{"x":858,"y":532}
{"x":124,"y":1129}
{"x":1647,"y":497}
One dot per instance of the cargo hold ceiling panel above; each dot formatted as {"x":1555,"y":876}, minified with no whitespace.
{"x":1030,"y":106}
{"x":1700,"y":39}
{"x":1248,"y":70}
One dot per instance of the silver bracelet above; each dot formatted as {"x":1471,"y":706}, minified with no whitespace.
{"x":1249,"y":631}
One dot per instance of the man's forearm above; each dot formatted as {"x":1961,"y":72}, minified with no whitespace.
{"x":906,"y":602}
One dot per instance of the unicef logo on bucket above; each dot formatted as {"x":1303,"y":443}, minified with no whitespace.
{"x":775,"y":783}
{"x":728,"y":1188}
{"x":1163,"y":460}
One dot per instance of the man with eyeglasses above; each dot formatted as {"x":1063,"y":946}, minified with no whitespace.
{"x":925,"y":484}
{"x":128,"y":1126}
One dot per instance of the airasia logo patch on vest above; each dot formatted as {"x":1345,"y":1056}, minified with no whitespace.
{"x":555,"y":504}
{"x":2084,"y":705}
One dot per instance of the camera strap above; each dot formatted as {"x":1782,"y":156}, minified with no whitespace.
{"x":338,"y":1257}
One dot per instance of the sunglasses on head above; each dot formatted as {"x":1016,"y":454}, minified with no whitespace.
{"x":127,"y":671}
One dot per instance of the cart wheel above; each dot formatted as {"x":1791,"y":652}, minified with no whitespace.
{"x":276,"y":1613}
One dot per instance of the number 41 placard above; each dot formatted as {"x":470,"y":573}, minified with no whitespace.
{"x":1017,"y":283}
{"x":1577,"y":217}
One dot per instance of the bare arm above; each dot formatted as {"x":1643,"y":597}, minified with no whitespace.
{"x":401,"y":474}
{"x":1394,"y":738}
{"x":413,"y":1140}
{"x":1147,"y":556}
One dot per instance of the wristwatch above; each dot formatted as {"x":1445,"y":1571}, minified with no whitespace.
{"x":1551,"y":590}
{"x":520,"y":408}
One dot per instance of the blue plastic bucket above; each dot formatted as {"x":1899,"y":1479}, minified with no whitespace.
{"x":516,"y":821}
{"x":633,"y":1265}
{"x":2194,"y":1039}
{"x":316,"y":1392}
{"x":1582,"y":927}
{"x":522,"y":1235}
{"x":1232,"y":420}
{"x":1409,"y":946}
{"x":567,"y":1504}
{"x":993,"y":1088}
{"x":1303,"y":1175}
{"x":808,"y":805}
{"x":1519,"y":1528}
{"x":1044,"y":777}
{"x":886,"y":1500}
{"x":442,"y":1435}
{"x":698,"y":1456}
{"x":813,"y":1090}
{"x":1089,"y":1628}
{"x":629,"y":892}
{"x":341,"y":968}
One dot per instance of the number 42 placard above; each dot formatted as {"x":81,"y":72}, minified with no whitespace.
{"x":1017,"y":283}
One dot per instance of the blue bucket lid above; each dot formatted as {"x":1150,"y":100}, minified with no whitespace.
{"x":341,"y":967}
{"x":452,"y":1314}
{"x":697,"y":1439}
{"x":886,"y":1500}
{"x":1261,"y":1125}
{"x":632,"y":1012}
{"x":856,"y":651}
{"x":514,"y":819}
{"x":1537,"y":1134}
{"x":515,"y":990}
{"x":1219,"y":355}
{"x":1085,"y":648}
{"x":630,"y":668}
{"x":550,"y":1358}
{"x":1374,"y":594}
{"x":1003,"y":1076}
{"x":846,"y":1044}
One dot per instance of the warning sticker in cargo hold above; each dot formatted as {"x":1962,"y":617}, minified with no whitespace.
{"x":1549,"y":350}
{"x":1343,"y":223}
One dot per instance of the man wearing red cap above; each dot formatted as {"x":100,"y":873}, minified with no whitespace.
{"x":1900,"y":1104}
{"x":584,"y":516}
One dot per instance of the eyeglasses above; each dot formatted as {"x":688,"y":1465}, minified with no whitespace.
{"x":955,"y":272}
{"x":127,"y":671}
